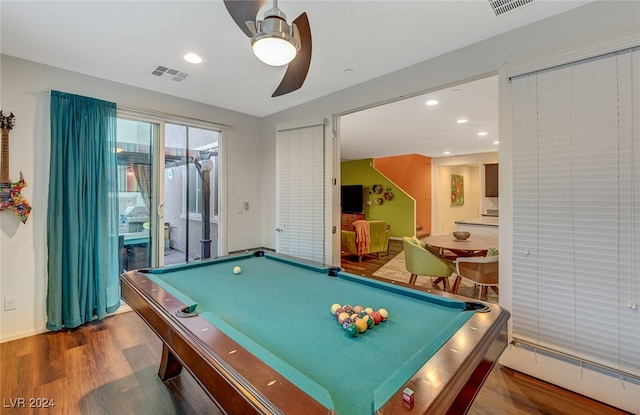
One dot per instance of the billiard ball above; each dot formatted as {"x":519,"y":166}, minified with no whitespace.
{"x":347,"y":308}
{"x":338,"y":312}
{"x":358,"y":309}
{"x":342,"y":317}
{"x":352,"y":330}
{"x":368,"y":310}
{"x":335,"y":307}
{"x":346,"y":323}
{"x":362,"y":325}
{"x":370,"y":321}
{"x":237,"y":270}
{"x":384,"y":314}
{"x":376,"y":317}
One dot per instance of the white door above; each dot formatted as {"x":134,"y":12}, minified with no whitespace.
{"x":303,"y":183}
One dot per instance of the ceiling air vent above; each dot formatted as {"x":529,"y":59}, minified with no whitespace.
{"x":503,"y":6}
{"x":168,"y":73}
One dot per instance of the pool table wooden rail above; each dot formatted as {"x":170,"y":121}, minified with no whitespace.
{"x":477,"y":347}
{"x":240,"y":383}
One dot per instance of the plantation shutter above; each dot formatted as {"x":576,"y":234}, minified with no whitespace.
{"x":300,"y":154}
{"x":576,"y":211}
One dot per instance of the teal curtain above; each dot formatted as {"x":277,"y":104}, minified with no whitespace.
{"x":82,"y":233}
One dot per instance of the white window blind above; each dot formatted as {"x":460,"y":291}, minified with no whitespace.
{"x":576,"y":242}
{"x":301,"y":192}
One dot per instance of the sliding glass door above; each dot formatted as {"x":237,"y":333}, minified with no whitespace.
{"x":168,"y":180}
{"x":191,"y":193}
{"x":138,"y":222}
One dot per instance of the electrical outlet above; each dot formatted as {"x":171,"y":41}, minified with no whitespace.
{"x":10,"y":303}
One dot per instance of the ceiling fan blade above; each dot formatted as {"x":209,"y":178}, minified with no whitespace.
{"x":244,"y":10}
{"x":299,"y":67}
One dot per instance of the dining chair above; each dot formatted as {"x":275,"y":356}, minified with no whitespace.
{"x":482,"y":271}
{"x":423,"y":260}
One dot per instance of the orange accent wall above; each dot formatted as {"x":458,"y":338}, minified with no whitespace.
{"x":412,"y":173}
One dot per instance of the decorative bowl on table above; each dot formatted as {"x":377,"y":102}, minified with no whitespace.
{"x":461,"y":235}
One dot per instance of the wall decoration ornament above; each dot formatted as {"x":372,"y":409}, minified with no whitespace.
{"x":377,"y":188}
{"x":457,"y":190}
{"x":10,"y":196}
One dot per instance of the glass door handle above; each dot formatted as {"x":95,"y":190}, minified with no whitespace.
{"x":161,"y":210}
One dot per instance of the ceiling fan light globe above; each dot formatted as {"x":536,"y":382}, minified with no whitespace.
{"x":274,"y":51}
{"x":274,"y":43}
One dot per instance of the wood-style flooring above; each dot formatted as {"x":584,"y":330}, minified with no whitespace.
{"x":110,"y":367}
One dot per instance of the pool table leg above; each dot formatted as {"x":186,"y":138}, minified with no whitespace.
{"x":170,"y":366}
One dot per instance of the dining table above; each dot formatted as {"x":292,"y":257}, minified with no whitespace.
{"x":449,"y":246}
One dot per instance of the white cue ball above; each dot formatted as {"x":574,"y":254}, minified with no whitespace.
{"x":237,"y":270}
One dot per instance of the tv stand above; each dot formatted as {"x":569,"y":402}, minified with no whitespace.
{"x":347,"y":220}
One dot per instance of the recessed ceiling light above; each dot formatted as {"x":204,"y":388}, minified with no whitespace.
{"x":432,"y":102}
{"x":348,"y":70}
{"x":462,"y":121}
{"x":192,"y":58}
{"x":447,"y":152}
{"x":496,"y":142}
{"x":483,"y":133}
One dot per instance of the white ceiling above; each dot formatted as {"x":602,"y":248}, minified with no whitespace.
{"x":124,"y":41}
{"x":410,"y":126}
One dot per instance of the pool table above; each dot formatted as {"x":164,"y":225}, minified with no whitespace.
{"x":264,"y":341}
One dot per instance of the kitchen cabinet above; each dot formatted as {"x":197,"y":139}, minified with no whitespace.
{"x":491,"y":180}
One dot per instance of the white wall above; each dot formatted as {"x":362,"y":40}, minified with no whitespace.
{"x":472,"y":168}
{"x":23,"y":248}
{"x":581,"y":27}
{"x":478,"y":160}
{"x":445,"y":217}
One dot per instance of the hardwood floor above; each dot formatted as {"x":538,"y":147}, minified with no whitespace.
{"x":110,"y":367}
{"x":106,"y":367}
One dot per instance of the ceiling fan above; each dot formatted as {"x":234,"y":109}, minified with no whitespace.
{"x":274,"y":41}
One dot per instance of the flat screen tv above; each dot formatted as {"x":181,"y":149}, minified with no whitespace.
{"x":352,"y":199}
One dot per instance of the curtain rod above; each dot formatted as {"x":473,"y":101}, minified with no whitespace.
{"x":162,"y":113}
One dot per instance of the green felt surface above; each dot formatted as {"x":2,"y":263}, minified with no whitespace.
{"x":280,"y":312}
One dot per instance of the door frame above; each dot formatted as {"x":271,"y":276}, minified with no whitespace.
{"x":330,"y":228}
{"x":158,"y":159}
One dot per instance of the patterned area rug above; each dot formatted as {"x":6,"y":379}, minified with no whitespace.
{"x":395,"y":270}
